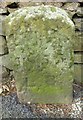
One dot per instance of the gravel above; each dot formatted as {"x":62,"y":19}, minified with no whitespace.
{"x":11,"y":108}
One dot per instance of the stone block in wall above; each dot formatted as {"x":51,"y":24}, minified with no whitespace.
{"x":78,"y":46}
{"x":78,"y":23}
{"x":5,"y":3}
{"x":1,"y":28}
{"x":40,"y":43}
{"x":80,"y":11}
{"x":78,"y":58}
{"x":2,"y":17}
{"x":3,"y":46}
{"x":0,"y":60}
{"x":3,"y":10}
{"x":78,"y":73}
{"x":2,"y":4}
{"x":10,"y":10}
{"x":4,"y":61}
{"x":4,"y":74}
{"x":71,"y":6}
{"x":78,"y":67}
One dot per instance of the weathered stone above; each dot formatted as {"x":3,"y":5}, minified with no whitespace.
{"x":3,"y":10}
{"x":5,"y":72}
{"x":78,"y":23}
{"x":0,"y":60}
{"x":71,"y":13}
{"x":56,"y":4}
{"x":78,"y":73}
{"x":78,"y":58}
{"x":3,"y":4}
{"x":78,"y":46}
{"x":2,"y":17}
{"x":80,"y":11}
{"x":26,"y":4}
{"x":71,"y":6}
{"x":12,"y":10}
{"x":1,"y":28}
{"x":40,"y":42}
{"x":3,"y":46}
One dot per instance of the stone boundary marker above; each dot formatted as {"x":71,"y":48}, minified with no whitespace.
{"x":76,"y":13}
{"x":40,"y":41}
{"x":7,"y":10}
{"x":74,"y":9}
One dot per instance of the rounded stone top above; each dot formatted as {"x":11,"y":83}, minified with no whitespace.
{"x":44,"y":11}
{"x":39,"y":40}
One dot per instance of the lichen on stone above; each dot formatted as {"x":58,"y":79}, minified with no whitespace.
{"x":41,"y":53}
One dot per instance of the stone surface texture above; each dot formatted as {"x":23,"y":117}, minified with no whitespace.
{"x":40,"y":43}
{"x":3,"y":46}
{"x":43,"y":110}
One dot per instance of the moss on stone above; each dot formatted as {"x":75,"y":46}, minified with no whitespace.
{"x":41,"y":53}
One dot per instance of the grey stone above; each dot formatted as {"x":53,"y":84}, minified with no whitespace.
{"x":78,"y":58}
{"x":80,"y":11}
{"x":10,"y":10}
{"x":40,"y":42}
{"x":78,"y":23}
{"x":3,"y":10}
{"x":71,"y":6}
{"x":78,"y":70}
{"x":5,"y":72}
{"x":78,"y":46}
{"x":1,"y":28}
{"x":0,"y":60}
{"x":3,"y":46}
